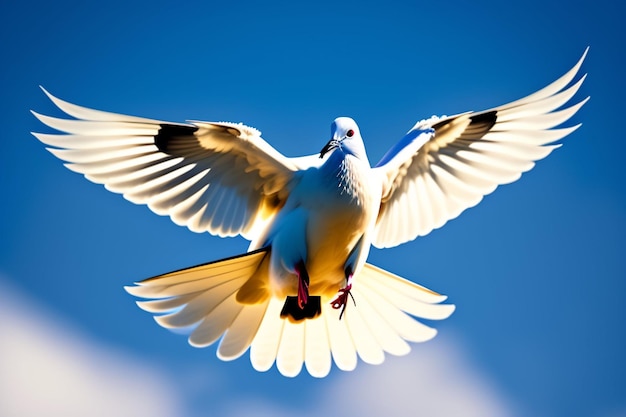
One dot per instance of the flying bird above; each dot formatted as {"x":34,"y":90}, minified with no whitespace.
{"x":303,"y":293}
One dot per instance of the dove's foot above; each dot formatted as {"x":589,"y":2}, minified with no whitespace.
{"x":295,"y":314}
{"x":303,"y":306}
{"x":342,"y":299}
{"x":303,"y":285}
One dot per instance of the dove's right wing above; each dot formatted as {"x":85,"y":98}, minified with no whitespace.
{"x":217,"y":177}
{"x":446,"y":165}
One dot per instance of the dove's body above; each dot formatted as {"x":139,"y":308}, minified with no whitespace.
{"x":311,"y":220}
{"x":325,"y":220}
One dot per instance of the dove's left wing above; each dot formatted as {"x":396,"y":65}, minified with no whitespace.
{"x":446,"y":165}
{"x":217,"y":177}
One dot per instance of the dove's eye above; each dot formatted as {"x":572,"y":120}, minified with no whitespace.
{"x":350,"y":133}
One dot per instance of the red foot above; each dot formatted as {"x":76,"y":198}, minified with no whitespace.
{"x":342,"y":299}
{"x":303,"y":285}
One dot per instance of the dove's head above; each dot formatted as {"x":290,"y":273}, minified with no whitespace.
{"x":345,"y":136}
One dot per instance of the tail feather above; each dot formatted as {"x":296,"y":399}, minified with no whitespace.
{"x":264,"y":347}
{"x":241,"y":332}
{"x":341,"y":345}
{"x":404,"y":325}
{"x":410,"y":305}
{"x":199,"y":278}
{"x":400,"y":285}
{"x":367,"y":347}
{"x":290,"y":355}
{"x":206,"y":299}
{"x":317,"y":356}
{"x":200,"y":306}
{"x":166,"y":305}
{"x":216,"y":322}
{"x":386,"y":336}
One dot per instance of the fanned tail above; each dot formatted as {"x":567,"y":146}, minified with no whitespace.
{"x":383,"y":320}
{"x":205,"y":299}
{"x":226,"y":299}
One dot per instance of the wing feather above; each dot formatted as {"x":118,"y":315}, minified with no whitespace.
{"x":217,"y":177}
{"x":446,"y":165}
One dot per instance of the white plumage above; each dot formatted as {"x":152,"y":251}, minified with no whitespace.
{"x":304,"y":294}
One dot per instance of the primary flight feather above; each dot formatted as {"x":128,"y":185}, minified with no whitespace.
{"x":304,"y":294}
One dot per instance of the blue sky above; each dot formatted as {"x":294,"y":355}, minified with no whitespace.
{"x":537,"y":270}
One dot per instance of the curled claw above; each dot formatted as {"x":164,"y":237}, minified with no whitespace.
{"x":342,"y":299}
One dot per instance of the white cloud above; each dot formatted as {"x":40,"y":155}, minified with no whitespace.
{"x":50,"y":369}
{"x":435,"y":379}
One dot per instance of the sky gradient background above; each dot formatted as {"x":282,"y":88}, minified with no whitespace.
{"x":536,"y":270}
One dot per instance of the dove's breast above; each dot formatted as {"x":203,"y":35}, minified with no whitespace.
{"x":342,"y":205}
{"x":324,"y":217}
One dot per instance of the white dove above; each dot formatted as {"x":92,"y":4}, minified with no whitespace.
{"x":303,"y":293}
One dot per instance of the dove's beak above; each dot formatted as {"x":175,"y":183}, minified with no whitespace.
{"x":332,"y":144}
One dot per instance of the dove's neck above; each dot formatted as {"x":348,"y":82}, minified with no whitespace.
{"x":346,"y":175}
{"x":356,"y":148}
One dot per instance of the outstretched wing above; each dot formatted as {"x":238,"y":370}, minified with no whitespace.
{"x":446,"y":165}
{"x":217,"y":177}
